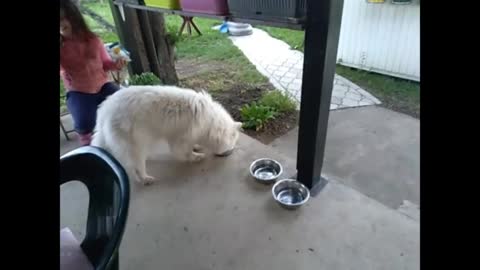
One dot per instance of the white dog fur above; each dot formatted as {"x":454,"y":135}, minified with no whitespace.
{"x":134,"y":119}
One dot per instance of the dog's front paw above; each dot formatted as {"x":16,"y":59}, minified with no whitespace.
{"x":148,"y":180}
{"x":144,"y":179}
{"x":196,"y":157}
{"x":198,"y":148}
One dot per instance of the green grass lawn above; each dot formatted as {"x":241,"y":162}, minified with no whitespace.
{"x":211,"y":46}
{"x":294,"y":38}
{"x":215,"y":47}
{"x":62,"y":94}
{"x":104,"y":11}
{"x":396,"y":94}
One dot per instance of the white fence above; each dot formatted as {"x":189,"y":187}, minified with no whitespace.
{"x":383,"y":38}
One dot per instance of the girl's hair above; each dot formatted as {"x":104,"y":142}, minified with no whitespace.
{"x":70,"y":12}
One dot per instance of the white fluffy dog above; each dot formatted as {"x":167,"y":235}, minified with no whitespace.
{"x":135,"y":118}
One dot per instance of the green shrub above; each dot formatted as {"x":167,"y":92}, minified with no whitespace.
{"x":255,"y":116}
{"x":62,"y":95}
{"x":278,"y":101}
{"x":146,"y":78}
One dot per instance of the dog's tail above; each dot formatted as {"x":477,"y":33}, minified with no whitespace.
{"x":115,"y":142}
{"x":205,"y":94}
{"x":106,"y":139}
{"x":99,"y":140}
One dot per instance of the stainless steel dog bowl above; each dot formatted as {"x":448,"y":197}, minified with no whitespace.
{"x":265,"y":170}
{"x":290,"y":194}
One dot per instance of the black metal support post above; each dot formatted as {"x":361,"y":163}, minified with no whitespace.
{"x":322,"y":31}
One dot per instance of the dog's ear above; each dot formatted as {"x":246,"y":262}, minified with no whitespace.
{"x":238,"y":125}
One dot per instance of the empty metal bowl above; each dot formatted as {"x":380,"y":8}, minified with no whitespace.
{"x":265,"y":170}
{"x":290,"y":194}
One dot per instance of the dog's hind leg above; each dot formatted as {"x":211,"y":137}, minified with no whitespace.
{"x":133,"y":156}
{"x":139,"y":163}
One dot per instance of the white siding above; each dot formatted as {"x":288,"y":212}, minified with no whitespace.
{"x":383,"y":38}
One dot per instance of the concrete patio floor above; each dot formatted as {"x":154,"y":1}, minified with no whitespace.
{"x":371,"y":149}
{"x":211,"y":215}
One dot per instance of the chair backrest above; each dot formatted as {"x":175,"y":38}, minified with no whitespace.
{"x":109,"y":190}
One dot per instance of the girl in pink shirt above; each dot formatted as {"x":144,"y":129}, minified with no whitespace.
{"x":84,"y":64}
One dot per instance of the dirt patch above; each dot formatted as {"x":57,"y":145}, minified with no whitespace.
{"x":281,"y":125}
{"x":233,"y":95}
{"x":237,"y":96}
{"x":401,"y":106}
{"x":188,"y":68}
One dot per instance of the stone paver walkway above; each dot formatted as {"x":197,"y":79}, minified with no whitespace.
{"x":284,"y":67}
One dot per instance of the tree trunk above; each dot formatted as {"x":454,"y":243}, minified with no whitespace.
{"x":144,"y":34}
{"x":127,"y":37}
{"x":136,"y":43}
{"x":150,"y":43}
{"x":165,"y":49}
